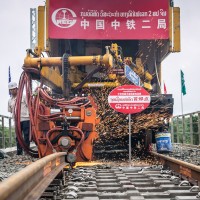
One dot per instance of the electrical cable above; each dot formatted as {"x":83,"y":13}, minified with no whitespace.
{"x":38,"y":102}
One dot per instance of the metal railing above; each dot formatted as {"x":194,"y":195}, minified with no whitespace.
{"x":185,"y":128}
{"x":7,"y":132}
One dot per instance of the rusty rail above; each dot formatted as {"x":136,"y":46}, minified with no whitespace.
{"x":32,"y":181}
{"x":188,"y":170}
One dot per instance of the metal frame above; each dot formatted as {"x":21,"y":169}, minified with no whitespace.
{"x":33,"y":28}
{"x":174,"y":123}
{"x":6,"y":122}
{"x":182,"y":130}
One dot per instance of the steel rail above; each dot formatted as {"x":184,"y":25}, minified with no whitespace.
{"x":187,"y":145}
{"x":32,"y":181}
{"x":186,"y":169}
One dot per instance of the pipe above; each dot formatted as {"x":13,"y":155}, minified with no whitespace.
{"x":106,"y":60}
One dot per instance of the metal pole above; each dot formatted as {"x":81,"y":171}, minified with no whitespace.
{"x":181,"y":103}
{"x":178,"y":129}
{"x":172,"y":129}
{"x":10,"y":133}
{"x":33,"y":28}
{"x":191,"y":130}
{"x":31,"y":39}
{"x":183,"y":125}
{"x":198,"y":128}
{"x":3,"y":133}
{"x":129,"y":116}
{"x":181,"y":99}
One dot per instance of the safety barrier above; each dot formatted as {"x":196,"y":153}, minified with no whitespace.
{"x":186,"y":128}
{"x":7,"y":132}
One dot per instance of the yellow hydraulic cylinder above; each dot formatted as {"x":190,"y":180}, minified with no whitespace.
{"x":177,"y":40}
{"x":99,"y":84}
{"x":41,"y":25}
{"x":106,"y":60}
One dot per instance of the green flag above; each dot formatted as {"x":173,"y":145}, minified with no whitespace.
{"x":183,"y":88}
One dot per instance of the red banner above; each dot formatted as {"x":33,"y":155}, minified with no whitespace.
{"x":108,"y":19}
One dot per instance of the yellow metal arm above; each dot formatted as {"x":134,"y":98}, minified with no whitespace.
{"x":106,"y":60}
{"x":99,"y":84}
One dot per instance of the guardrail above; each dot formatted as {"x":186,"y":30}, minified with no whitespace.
{"x":186,"y":128}
{"x":7,"y":132}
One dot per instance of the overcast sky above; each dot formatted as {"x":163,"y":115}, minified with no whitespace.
{"x":15,"y":39}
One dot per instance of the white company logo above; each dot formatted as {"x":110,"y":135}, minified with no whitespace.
{"x":64,"y":17}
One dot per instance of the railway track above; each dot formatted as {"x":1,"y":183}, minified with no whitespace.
{"x":172,"y":179}
{"x":31,"y":182}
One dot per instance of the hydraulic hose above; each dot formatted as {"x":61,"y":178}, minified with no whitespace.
{"x":37,"y":104}
{"x":22,"y":83}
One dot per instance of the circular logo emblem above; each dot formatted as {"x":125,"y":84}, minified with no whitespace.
{"x":64,"y":17}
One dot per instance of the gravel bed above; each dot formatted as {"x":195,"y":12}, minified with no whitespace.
{"x":10,"y":165}
{"x":184,"y":152}
{"x":191,"y":154}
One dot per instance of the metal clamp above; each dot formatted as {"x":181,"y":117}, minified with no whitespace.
{"x":194,"y":189}
{"x":73,"y":188}
{"x":160,"y":166}
{"x":198,"y":195}
{"x":71,"y":195}
{"x":175,"y":180}
{"x":184,"y":183}
{"x":165,"y":176}
{"x":81,"y":184}
{"x":165,"y":171}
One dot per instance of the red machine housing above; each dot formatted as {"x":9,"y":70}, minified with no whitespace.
{"x":58,"y":125}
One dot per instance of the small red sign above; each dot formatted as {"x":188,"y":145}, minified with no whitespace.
{"x":129,"y":99}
